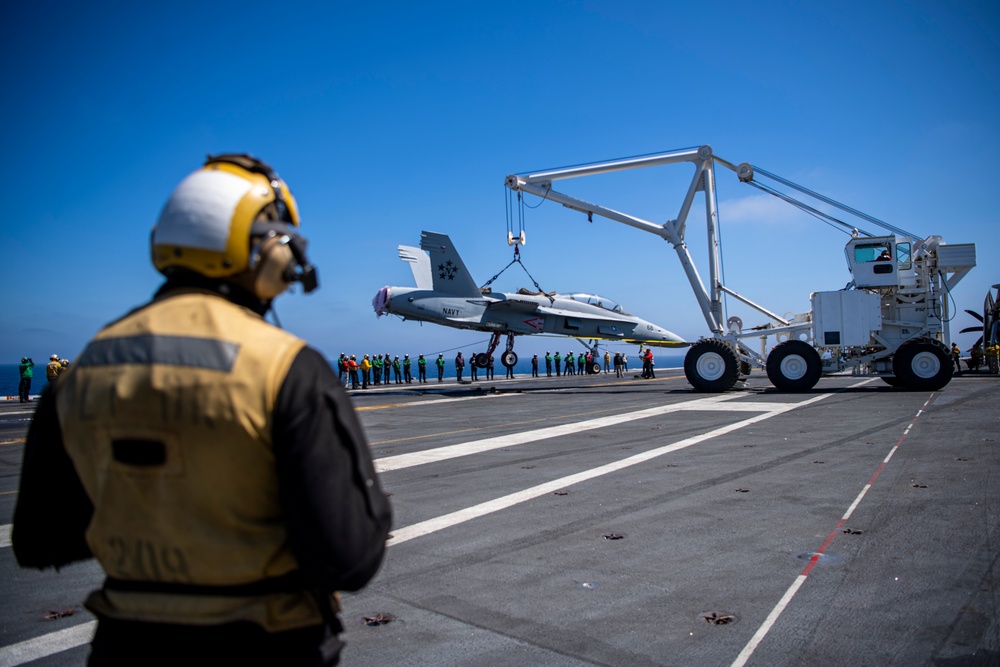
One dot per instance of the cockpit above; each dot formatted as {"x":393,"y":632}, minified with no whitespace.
{"x":599,"y":301}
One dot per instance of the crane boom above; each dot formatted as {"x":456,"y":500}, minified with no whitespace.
{"x":709,"y":300}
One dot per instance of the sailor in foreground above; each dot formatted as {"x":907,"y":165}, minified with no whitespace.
{"x":209,"y":461}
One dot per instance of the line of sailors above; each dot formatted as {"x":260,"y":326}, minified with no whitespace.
{"x":570,"y":365}
{"x":384,"y":369}
{"x":585,"y":360}
{"x":377,"y":368}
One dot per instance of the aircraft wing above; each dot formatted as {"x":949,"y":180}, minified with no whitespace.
{"x":526,"y":306}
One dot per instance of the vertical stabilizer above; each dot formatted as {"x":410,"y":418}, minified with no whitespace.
{"x":420,"y":265}
{"x":448,"y":272}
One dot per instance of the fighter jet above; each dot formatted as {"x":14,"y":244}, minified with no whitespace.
{"x":447,"y":295}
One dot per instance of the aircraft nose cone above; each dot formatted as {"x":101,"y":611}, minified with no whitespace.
{"x":652,"y":332}
{"x":672,"y":337}
{"x":381,"y":302}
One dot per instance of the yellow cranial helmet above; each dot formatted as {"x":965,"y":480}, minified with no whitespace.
{"x":233,"y":216}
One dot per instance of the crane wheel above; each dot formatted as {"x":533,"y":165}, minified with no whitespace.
{"x":922,"y":365}
{"x":711,"y":366}
{"x":794,"y":366}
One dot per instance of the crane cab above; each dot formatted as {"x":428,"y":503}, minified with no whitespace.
{"x":880,"y":261}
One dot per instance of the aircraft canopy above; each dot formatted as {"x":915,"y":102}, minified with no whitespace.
{"x":599,"y":301}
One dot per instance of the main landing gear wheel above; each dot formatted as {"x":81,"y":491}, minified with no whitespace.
{"x":711,"y":366}
{"x":481,"y":360}
{"x":508,"y":359}
{"x":922,"y":365}
{"x":794,"y":366}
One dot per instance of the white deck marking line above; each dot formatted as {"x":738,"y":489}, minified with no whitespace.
{"x":437,"y":454}
{"x":427,"y":402}
{"x":765,"y":627}
{"x":48,"y":644}
{"x":5,"y":535}
{"x":429,"y":526}
{"x":748,"y":406}
{"x":786,"y":599}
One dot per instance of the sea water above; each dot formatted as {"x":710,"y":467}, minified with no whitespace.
{"x":10,"y":378}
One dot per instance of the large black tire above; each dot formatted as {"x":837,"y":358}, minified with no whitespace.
{"x":508,"y":359}
{"x":794,"y":366}
{"x":922,"y":365}
{"x":594,"y":368}
{"x":711,"y":366}
{"x":481,"y":360}
{"x":891,"y":380}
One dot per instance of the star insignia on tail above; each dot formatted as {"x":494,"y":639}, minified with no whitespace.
{"x":447,"y":270}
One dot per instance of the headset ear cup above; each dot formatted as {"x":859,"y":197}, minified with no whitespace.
{"x":273,"y":264}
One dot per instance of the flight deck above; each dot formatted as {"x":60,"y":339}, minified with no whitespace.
{"x":590,"y":520}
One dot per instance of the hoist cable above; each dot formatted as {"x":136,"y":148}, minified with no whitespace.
{"x":535,"y":282}
{"x":520,"y":214}
{"x":487,"y":283}
{"x":833,"y":202}
{"x":506,"y":205}
{"x":516,"y":260}
{"x":805,"y":208}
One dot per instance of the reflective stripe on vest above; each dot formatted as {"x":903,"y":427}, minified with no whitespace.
{"x":167,"y":350}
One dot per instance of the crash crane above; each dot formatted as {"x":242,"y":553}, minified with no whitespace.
{"x":886,"y":323}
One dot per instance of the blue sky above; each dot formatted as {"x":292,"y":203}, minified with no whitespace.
{"x":386,"y":119}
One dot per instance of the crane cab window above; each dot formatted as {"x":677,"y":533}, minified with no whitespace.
{"x":873,"y":252}
{"x":878,"y":253}
{"x":903,"y":255}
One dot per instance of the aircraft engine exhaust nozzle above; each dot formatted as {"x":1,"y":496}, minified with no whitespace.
{"x":381,"y":302}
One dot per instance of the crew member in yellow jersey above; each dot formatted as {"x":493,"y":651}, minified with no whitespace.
{"x":210,"y":461}
{"x":53,"y":368}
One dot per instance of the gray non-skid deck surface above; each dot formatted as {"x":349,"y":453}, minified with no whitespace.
{"x":659,"y":527}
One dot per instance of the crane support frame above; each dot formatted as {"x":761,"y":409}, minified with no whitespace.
{"x":889,"y":324}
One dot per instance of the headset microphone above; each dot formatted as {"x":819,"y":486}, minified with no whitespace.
{"x":306,"y":273}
